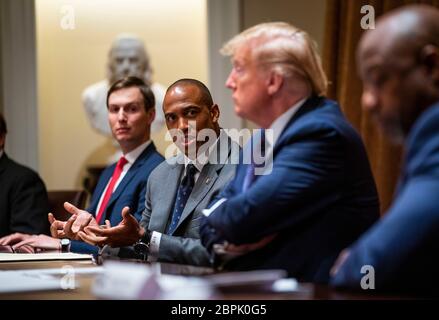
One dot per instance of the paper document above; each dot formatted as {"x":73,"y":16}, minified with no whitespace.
{"x":13,"y":257}
{"x":18,"y":281}
{"x":62,"y":271}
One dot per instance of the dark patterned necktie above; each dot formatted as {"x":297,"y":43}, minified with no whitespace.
{"x":184,"y":191}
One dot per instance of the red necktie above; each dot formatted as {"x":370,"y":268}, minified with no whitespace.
{"x":116,"y":174}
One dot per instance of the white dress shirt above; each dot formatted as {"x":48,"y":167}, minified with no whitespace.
{"x":277,"y":127}
{"x":154,"y":245}
{"x":131,"y":158}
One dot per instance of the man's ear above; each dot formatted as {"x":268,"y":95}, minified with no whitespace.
{"x":151,"y":115}
{"x":430,"y":59}
{"x":214,"y":111}
{"x":274,"y":83}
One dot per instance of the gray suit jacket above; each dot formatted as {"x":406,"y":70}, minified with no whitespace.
{"x":183,"y":245}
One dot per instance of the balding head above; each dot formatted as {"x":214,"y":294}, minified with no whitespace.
{"x":204,"y":96}
{"x":189,"y":109}
{"x":403,"y":33}
{"x":399,"y":65}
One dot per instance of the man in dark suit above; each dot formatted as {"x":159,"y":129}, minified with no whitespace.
{"x":23,"y":196}
{"x":131,"y":111}
{"x":319,"y":194}
{"x":399,"y":65}
{"x":181,"y":187}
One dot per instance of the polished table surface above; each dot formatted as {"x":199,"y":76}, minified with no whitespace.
{"x":306,"y":291}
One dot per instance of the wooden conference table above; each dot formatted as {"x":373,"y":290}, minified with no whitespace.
{"x":306,"y":291}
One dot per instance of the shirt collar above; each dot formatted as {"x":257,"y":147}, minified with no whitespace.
{"x":200,"y":165}
{"x":134,"y":154}
{"x":280,"y":123}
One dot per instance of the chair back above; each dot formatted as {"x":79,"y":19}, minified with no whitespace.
{"x":57,"y":198}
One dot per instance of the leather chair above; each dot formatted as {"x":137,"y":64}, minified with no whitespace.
{"x":57,"y":198}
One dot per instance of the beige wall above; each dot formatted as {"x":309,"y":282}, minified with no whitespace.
{"x":305,"y":14}
{"x":308,"y":15}
{"x":70,"y":60}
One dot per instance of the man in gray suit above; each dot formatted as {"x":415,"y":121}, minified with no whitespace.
{"x":181,"y":187}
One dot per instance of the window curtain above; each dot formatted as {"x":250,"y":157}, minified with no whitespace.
{"x":342,"y":34}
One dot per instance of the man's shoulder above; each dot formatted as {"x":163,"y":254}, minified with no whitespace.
{"x":423,"y":142}
{"x":18,"y":172}
{"x":317,"y":113}
{"x":165,"y":166}
{"x":324,"y":117}
{"x":426,"y":126}
{"x":152,"y":158}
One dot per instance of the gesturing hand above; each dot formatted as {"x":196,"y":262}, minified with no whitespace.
{"x":76,"y":223}
{"x":126,"y":233}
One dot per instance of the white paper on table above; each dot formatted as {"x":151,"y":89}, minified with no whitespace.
{"x":18,"y":281}
{"x":124,"y":280}
{"x":49,"y":256}
{"x":62,"y":271}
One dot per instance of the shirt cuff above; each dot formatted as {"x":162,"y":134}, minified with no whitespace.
{"x":154,"y":246}
{"x":207,"y":212}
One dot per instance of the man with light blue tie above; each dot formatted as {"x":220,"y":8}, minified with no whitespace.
{"x":315,"y":193}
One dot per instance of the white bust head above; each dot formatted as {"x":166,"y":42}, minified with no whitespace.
{"x":128,"y":57}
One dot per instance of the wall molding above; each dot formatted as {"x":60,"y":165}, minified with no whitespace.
{"x":19,"y":83}
{"x":223,"y":22}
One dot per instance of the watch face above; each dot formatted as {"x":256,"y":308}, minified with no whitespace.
{"x":65,"y":245}
{"x":141,"y":248}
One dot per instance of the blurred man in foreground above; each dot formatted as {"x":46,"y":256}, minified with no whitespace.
{"x":399,"y":65}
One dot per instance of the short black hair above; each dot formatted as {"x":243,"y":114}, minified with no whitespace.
{"x":206,"y":97}
{"x":128,"y":82}
{"x":3,"y":128}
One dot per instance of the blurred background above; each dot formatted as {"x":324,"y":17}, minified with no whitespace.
{"x":50,"y":51}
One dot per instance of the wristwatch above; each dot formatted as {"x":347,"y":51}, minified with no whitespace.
{"x":141,"y":247}
{"x":65,"y":245}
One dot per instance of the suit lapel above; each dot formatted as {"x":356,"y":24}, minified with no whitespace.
{"x":205,"y":181}
{"x":130,"y":175}
{"x":166,"y":199}
{"x":312,"y":103}
{"x":102,"y":183}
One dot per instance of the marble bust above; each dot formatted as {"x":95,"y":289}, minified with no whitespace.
{"x":127,"y":57}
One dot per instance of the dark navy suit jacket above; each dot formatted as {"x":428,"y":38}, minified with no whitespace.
{"x":319,"y":198}
{"x":403,"y":247}
{"x":130,"y":192}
